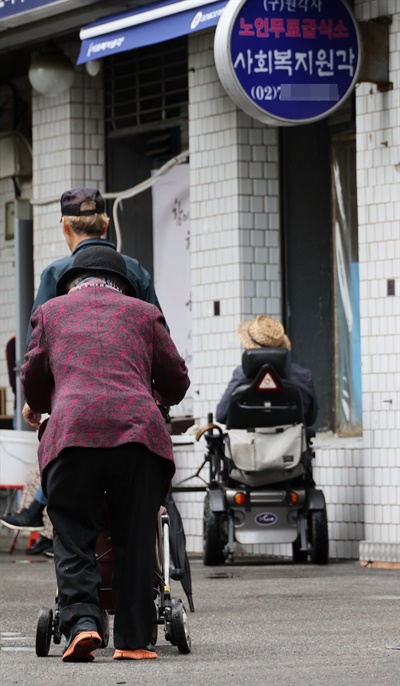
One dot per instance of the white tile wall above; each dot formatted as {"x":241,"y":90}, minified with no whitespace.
{"x":356,"y":476}
{"x":235,"y":224}
{"x":338,"y":471}
{"x":378,"y":180}
{"x":68,"y":144}
{"x":68,"y":152}
{"x":188,"y":460}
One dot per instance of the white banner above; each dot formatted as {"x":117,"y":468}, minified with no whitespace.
{"x":171,"y":263}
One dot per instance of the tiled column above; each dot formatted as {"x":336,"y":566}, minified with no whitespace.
{"x":68,"y":152}
{"x":234,"y":224}
{"x":378,"y":183}
{"x":235,"y":256}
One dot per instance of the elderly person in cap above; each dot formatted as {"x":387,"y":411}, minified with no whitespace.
{"x":267,"y":332}
{"x":84,"y":222}
{"x":96,"y":358}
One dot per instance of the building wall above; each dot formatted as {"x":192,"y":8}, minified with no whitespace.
{"x":378,"y":184}
{"x":68,"y":152}
{"x":236,"y":262}
{"x":68,"y":145}
{"x":359,"y":476}
{"x":235,"y":255}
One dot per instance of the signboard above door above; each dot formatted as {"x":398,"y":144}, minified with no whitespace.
{"x":31,"y":10}
{"x":287,"y":62}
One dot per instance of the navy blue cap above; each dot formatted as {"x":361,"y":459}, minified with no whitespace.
{"x":71,"y":202}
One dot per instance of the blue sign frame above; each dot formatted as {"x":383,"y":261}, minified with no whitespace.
{"x":9,"y":8}
{"x":288,"y":61}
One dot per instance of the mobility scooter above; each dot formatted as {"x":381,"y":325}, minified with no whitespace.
{"x":261,"y":488}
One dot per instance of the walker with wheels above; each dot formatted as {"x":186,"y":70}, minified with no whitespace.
{"x":169,"y":611}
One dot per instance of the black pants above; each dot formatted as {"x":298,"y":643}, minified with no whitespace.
{"x":133,"y":479}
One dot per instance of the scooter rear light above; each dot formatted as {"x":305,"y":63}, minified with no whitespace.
{"x":239,"y":498}
{"x":293,"y":497}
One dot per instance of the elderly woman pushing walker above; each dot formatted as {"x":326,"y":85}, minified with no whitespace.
{"x":96,"y":357}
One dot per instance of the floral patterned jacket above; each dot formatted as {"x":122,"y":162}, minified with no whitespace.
{"x":94,"y":360}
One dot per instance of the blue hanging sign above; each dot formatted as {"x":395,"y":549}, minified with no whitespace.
{"x":287,"y":62}
{"x":9,"y":8}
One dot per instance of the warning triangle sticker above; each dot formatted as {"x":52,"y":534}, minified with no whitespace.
{"x":267,"y":383}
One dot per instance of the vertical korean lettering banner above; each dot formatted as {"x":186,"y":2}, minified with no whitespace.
{"x":171,"y":263}
{"x":287,"y":61}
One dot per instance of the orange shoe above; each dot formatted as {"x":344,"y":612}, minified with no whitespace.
{"x":80,"y":648}
{"x":140,"y":654}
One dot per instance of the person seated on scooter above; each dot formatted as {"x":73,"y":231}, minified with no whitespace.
{"x":267,"y":332}
{"x":96,"y":357}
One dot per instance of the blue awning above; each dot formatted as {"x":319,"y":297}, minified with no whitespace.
{"x":157,"y":23}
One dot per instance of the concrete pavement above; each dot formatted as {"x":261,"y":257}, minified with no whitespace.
{"x":258,"y":623}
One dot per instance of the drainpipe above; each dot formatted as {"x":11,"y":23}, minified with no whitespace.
{"x":23,"y":239}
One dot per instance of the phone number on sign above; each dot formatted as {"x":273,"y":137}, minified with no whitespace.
{"x":265,"y":92}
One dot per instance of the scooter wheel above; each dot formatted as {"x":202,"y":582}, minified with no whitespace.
{"x":319,"y":537}
{"x":214,"y":536}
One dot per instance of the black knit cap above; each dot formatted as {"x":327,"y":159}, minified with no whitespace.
{"x":71,"y":202}
{"x":97,"y":261}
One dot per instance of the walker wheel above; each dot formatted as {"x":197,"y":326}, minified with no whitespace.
{"x":180,"y":627}
{"x":57,"y":627}
{"x":106,"y":628}
{"x":44,"y":632}
{"x":154,"y":634}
